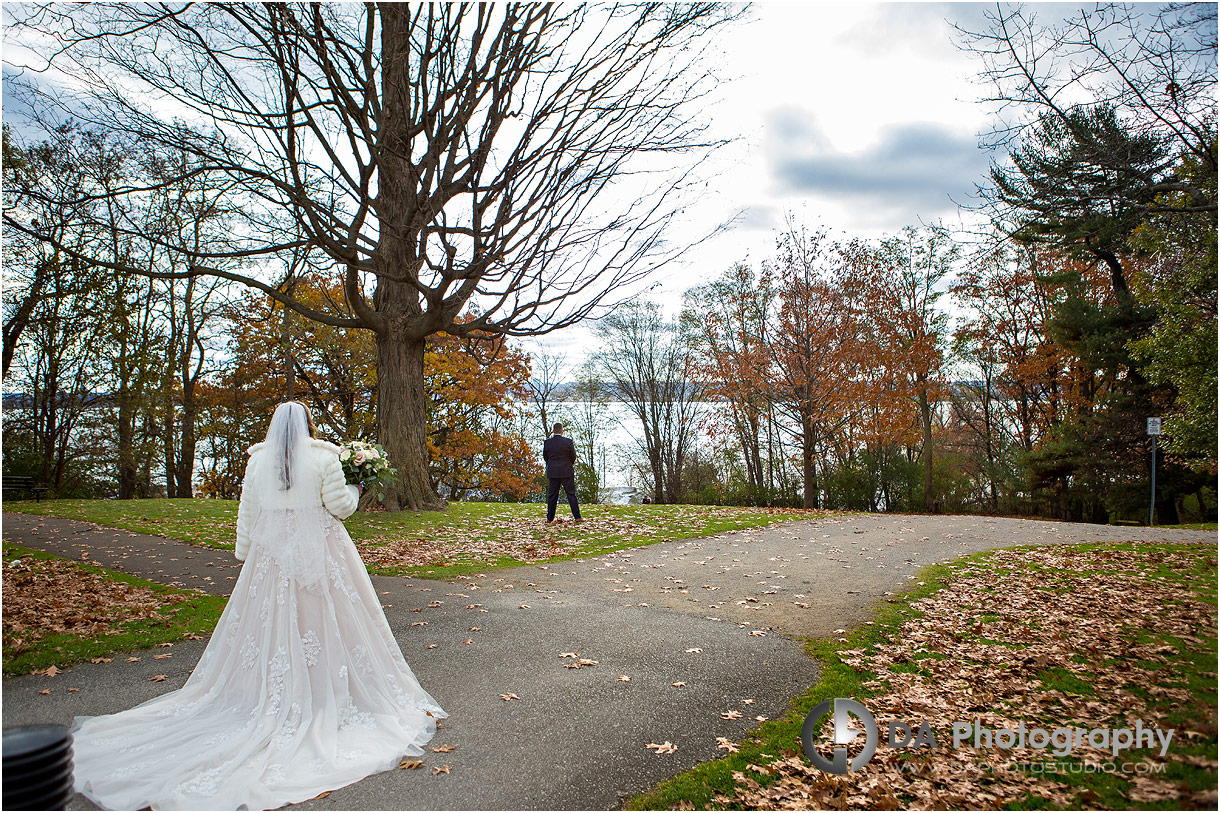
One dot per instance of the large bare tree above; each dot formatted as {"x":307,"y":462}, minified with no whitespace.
{"x":647,"y":363}
{"x":513,"y":162}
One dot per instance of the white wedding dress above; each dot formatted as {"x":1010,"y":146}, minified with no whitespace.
{"x":301,"y":689}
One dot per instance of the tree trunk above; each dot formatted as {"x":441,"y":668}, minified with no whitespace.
{"x":286,"y":345}
{"x":1118,"y":279}
{"x":167,"y":442}
{"x":186,"y":453}
{"x":1167,"y":511}
{"x":658,"y":480}
{"x":809,"y":482}
{"x":925,"y":416}
{"x":128,"y":470}
{"x":402,"y":423}
{"x":402,"y":398}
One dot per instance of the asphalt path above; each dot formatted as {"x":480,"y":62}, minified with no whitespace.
{"x":724,"y":617}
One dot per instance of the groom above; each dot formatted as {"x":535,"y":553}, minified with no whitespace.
{"x":560,"y":456}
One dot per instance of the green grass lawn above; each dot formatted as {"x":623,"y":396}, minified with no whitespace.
{"x":177,"y":614}
{"x":463,"y":538}
{"x":1159,"y":663}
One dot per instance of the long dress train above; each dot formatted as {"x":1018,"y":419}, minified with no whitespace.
{"x":301,"y":689}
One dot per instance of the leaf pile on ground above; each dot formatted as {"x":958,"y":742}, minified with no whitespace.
{"x":52,"y":596}
{"x":1053,"y":637}
{"x":526,"y":537}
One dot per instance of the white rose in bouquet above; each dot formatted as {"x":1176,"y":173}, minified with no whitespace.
{"x":366,"y":464}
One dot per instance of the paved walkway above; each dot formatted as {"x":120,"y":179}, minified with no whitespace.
{"x":713,"y":614}
{"x":165,"y":561}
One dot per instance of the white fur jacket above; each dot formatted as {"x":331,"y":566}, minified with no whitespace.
{"x":339,"y":498}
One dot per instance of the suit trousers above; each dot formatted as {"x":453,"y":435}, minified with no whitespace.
{"x":552,"y":496}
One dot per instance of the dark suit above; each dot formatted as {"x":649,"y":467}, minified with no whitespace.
{"x":560,"y":456}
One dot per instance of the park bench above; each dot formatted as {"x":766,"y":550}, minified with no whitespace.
{"x":24,"y":484}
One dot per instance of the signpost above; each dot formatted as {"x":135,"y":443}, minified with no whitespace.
{"x":1154,"y":430}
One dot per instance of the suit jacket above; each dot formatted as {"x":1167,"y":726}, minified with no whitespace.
{"x":560,"y":456}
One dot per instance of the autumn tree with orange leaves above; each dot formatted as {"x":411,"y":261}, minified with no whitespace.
{"x":474,"y":443}
{"x":474,"y":440}
{"x":728,"y":321}
{"x":1019,"y":377}
{"x":810,"y":346}
{"x":898,"y":284}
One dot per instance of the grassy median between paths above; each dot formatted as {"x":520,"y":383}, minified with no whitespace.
{"x":58,"y":612}
{"x":464,"y":538}
{"x":1091,"y":636}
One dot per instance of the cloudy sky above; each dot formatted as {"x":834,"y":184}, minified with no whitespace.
{"x":859,"y":117}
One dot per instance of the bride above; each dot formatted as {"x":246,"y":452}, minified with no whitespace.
{"x":301,"y":689}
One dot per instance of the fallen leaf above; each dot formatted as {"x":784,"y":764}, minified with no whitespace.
{"x":444,"y":749}
{"x":442,"y":769}
{"x":666,"y":747}
{"x":731,"y":714}
{"x":158,"y":678}
{"x":678,"y":683}
{"x":411,"y":764}
{"x":624,"y":678}
{"x":510,"y":696}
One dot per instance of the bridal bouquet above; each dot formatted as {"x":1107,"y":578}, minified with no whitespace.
{"x":366,"y":464}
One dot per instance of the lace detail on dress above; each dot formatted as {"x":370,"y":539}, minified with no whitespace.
{"x":204,"y":784}
{"x":275,"y":681}
{"x":338,"y":579}
{"x":312,"y":648}
{"x":249,"y":652}
{"x":352,"y":717}
{"x":132,"y":768}
{"x":360,"y":657}
{"x":231,"y":628}
{"x":288,"y":729}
